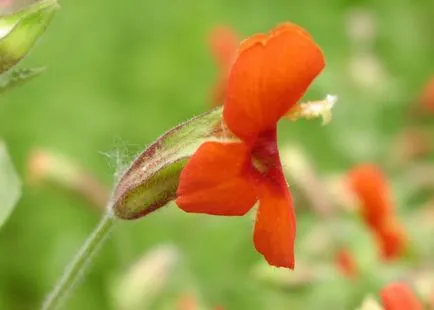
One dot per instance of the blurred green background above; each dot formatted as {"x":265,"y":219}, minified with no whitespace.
{"x":120,"y":73}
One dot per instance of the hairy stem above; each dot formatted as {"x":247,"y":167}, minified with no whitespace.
{"x":77,"y":267}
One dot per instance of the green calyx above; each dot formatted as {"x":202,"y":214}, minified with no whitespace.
{"x":152,"y":179}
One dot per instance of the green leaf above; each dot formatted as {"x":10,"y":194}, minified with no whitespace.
{"x":10,"y":185}
{"x":16,"y":77}
{"x":21,"y":30}
{"x":153,"y":177}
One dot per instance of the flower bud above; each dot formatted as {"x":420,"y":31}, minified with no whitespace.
{"x":20,"y":31}
{"x":152,"y":179}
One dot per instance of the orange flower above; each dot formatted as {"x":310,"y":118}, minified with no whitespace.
{"x":398,"y":296}
{"x":269,"y":75}
{"x":346,"y":263}
{"x":368,"y":182}
{"x":224,"y":45}
{"x":370,"y":185}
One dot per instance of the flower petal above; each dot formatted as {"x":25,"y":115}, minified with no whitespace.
{"x":269,"y":76}
{"x":398,"y":296}
{"x":216,"y":180}
{"x":274,"y":234}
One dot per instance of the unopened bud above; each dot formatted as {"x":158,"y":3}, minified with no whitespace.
{"x":153,"y":177}
{"x":20,"y":31}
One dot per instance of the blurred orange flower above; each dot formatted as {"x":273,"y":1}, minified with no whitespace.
{"x":391,"y":238}
{"x":224,"y":45}
{"x":398,"y":296}
{"x":369,"y":184}
{"x":269,"y":75}
{"x":427,"y":96}
{"x":346,"y":263}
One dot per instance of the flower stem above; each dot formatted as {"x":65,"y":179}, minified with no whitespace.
{"x":76,"y":268}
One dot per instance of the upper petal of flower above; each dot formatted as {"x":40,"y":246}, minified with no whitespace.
{"x":274,"y":235}
{"x":269,"y":76}
{"x":215,"y":180}
{"x":398,"y":296}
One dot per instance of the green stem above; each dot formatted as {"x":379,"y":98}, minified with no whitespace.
{"x":76,"y":268}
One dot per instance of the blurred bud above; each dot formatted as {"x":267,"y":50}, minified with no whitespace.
{"x":144,"y":280}
{"x":20,"y":31}
{"x":346,"y":263}
{"x":398,"y":296}
{"x":152,"y":179}
{"x":369,"y":303}
{"x":44,"y":166}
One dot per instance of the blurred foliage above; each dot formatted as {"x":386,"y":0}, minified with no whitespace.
{"x":17,"y":77}
{"x":10,"y":185}
{"x":121,"y":73}
{"x":18,"y":33}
